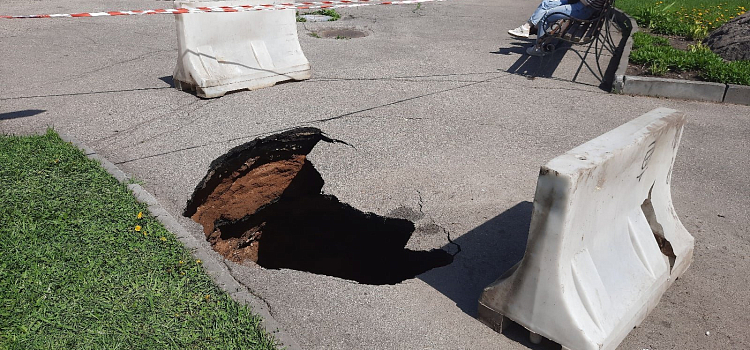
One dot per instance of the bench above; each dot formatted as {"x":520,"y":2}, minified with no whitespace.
{"x":575,"y":30}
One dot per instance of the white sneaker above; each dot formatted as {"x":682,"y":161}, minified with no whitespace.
{"x":536,"y":51}
{"x":521,"y":32}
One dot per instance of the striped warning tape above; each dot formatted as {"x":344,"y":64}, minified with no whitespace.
{"x":240,"y":8}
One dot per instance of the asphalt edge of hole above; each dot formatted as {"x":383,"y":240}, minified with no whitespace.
{"x":217,"y":270}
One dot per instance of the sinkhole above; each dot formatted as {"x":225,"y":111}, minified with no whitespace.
{"x":262,"y":201}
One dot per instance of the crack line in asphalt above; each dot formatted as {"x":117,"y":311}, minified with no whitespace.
{"x":80,"y":75}
{"x":432,"y":220}
{"x":84,"y":93}
{"x":206,"y":144}
{"x":190,"y":121}
{"x":158,"y":117}
{"x":402,"y":78}
{"x":324,"y":120}
{"x":315,"y":121}
{"x":351,"y":114}
{"x":248,"y":289}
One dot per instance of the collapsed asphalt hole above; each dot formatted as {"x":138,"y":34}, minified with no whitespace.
{"x":262,"y":201}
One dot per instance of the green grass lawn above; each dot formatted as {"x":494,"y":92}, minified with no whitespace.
{"x":692,"y":20}
{"x":82,"y":268}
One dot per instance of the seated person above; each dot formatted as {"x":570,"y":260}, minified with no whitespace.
{"x":555,"y":10}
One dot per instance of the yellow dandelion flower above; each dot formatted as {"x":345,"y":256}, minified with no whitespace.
{"x":138,"y":228}
{"x":145,"y":233}
{"x":208,"y":296}
{"x":180,"y":262}
{"x":198,"y":261}
{"x":163,"y":239}
{"x":182,"y":273}
{"x":140,"y":215}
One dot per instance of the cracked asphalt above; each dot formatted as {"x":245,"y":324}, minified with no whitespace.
{"x":445,"y":121}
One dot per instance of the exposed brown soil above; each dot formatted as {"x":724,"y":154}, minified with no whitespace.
{"x":246,"y":190}
{"x":679,"y":42}
{"x":640,"y":70}
{"x":262,"y":202}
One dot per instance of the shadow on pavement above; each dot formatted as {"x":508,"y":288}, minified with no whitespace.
{"x":168,"y":79}
{"x":531,"y":66}
{"x":486,"y":252}
{"x":21,"y":114}
{"x":544,"y":67}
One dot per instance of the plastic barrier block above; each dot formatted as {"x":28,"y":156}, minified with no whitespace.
{"x":222,"y":52}
{"x":604,"y":242}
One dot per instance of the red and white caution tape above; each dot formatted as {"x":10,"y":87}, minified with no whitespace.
{"x":241,"y":8}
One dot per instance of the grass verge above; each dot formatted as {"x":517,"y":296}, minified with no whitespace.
{"x":692,"y":20}
{"x":83,"y":267}
{"x":656,"y":54}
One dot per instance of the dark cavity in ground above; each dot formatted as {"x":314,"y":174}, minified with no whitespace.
{"x":262,"y":202}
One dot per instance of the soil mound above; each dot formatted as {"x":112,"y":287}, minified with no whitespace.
{"x":731,"y":41}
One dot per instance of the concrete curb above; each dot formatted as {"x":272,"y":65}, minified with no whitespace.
{"x":738,"y":94}
{"x":671,"y":88}
{"x":215,"y":268}
{"x":629,"y":26}
{"x":686,"y":90}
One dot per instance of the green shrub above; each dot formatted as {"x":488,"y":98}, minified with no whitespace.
{"x":735,"y":72}
{"x":335,"y":16}
{"x":329,"y":12}
{"x":659,"y":57}
{"x":641,"y":39}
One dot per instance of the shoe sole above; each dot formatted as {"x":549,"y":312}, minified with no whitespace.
{"x":518,"y":36}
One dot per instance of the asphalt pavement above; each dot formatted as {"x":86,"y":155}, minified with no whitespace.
{"x":448,"y":118}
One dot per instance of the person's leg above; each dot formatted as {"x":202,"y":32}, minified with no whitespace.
{"x":543,"y":8}
{"x":525,"y":29}
{"x":576,"y":10}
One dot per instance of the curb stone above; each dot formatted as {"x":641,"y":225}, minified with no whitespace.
{"x":629,"y":25}
{"x":688,"y":90}
{"x":213,"y":266}
{"x":739,"y":94}
{"x":670,"y":88}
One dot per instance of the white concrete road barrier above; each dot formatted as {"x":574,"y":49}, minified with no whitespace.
{"x":604,"y":242}
{"x":223,"y":52}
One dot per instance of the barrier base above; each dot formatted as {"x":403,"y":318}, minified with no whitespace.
{"x":252,"y":84}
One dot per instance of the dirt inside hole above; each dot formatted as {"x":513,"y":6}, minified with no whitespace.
{"x":262,"y":202}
